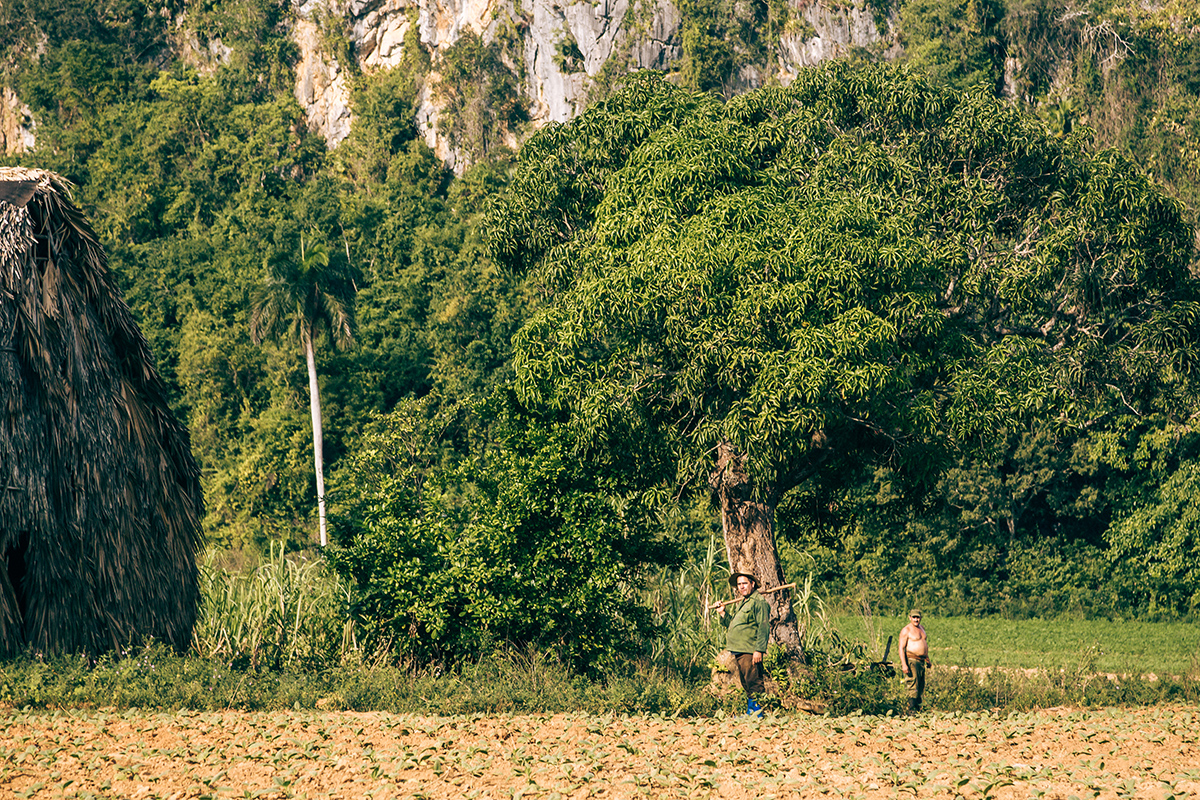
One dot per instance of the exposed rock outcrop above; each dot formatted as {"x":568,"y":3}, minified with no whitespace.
{"x":16,"y":123}
{"x":562,"y":54}
{"x":560,"y":51}
{"x":321,"y":85}
{"x":378,"y":29}
{"x":836,"y":32}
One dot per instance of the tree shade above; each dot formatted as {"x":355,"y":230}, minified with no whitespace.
{"x":859,"y":267}
{"x":100,"y":500}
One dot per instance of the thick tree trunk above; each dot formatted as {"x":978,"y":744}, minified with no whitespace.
{"x":748,"y":520}
{"x":314,"y":404}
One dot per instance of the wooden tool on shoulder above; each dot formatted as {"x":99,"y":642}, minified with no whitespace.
{"x":724,"y":603}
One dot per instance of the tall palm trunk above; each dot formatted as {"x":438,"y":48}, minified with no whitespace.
{"x":314,"y":404}
{"x":296,"y":299}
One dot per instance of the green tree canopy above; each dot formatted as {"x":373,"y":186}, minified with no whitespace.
{"x":860,"y":266}
{"x":520,"y":543}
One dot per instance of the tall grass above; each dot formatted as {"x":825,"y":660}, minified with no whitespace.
{"x":285,"y":612}
{"x":688,"y":637}
{"x":507,"y":681}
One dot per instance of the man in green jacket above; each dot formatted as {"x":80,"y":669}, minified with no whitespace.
{"x":747,"y":626}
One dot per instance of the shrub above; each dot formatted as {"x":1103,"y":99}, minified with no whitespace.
{"x":520,"y":544}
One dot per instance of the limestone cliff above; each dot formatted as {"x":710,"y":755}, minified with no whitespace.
{"x":322,"y":88}
{"x":16,"y":124}
{"x":561,"y":54}
{"x":552,"y":57}
{"x":832,"y":31}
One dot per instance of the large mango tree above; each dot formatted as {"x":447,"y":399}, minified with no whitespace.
{"x":857,"y":266}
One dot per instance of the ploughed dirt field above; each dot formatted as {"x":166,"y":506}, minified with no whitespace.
{"x":1061,"y":753}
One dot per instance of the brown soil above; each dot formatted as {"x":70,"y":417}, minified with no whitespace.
{"x":1061,"y":753}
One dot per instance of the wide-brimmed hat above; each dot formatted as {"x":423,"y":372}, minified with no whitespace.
{"x":733,"y":578}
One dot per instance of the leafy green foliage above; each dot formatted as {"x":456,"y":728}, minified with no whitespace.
{"x":384,"y":121}
{"x":1044,"y":525}
{"x":849,"y":280}
{"x":75,"y":57}
{"x":519,"y":544}
{"x":1154,"y":545}
{"x":955,"y":43}
{"x":192,"y":176}
{"x":194,"y":179}
{"x":1124,"y":69}
{"x":859,"y":264}
{"x":1015,"y":530}
{"x":708,"y":55}
{"x":727,"y":45}
{"x":304,"y":297}
{"x":480,"y":97}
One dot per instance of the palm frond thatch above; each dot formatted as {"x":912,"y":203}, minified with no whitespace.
{"x":100,"y":500}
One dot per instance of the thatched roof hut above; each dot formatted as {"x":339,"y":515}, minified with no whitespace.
{"x":100,"y":499}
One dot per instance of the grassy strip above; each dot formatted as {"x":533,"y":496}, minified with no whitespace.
{"x":530,"y":682}
{"x":516,"y":682}
{"x":276,"y":637}
{"x":1122,"y":648}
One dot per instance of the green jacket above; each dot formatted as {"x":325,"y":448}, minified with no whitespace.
{"x":748,"y":625}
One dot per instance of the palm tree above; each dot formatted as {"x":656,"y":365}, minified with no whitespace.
{"x":296,"y":301}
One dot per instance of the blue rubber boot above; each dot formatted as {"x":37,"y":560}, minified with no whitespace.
{"x":753,"y":708}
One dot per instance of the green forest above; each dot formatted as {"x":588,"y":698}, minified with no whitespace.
{"x":528,"y":371}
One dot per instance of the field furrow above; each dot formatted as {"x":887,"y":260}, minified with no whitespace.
{"x":1110,"y":753}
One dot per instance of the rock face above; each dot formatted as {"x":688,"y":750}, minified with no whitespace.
{"x":839,"y":32}
{"x":567,"y":45}
{"x":16,"y":124}
{"x":321,"y":86}
{"x":378,"y":30}
{"x":560,"y":52}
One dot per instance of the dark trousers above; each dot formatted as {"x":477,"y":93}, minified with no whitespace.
{"x":750,"y":674}
{"x":915,"y":681}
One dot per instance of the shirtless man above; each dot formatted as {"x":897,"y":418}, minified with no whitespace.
{"x":914,"y":659}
